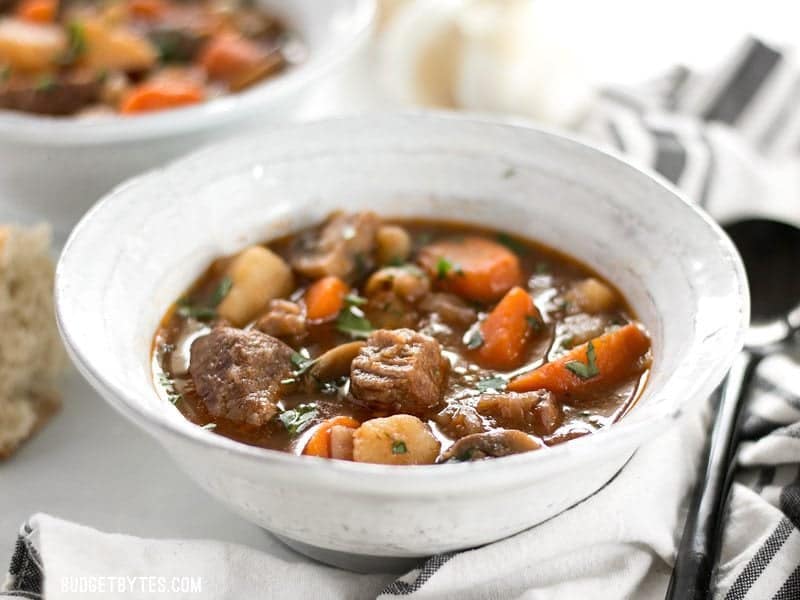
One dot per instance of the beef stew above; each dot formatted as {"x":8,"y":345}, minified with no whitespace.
{"x":401,"y":342}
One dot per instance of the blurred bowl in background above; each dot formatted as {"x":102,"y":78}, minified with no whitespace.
{"x":55,"y":168}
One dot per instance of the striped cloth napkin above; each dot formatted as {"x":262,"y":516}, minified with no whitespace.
{"x":730,"y":141}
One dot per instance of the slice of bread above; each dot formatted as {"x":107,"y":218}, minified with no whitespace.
{"x":31,"y":355}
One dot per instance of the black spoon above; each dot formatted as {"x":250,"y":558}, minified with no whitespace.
{"x":771,"y":254}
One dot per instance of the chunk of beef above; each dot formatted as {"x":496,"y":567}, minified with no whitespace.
{"x":60,"y":95}
{"x":284,"y":320}
{"x":451,"y":309}
{"x":238,"y":373}
{"x":538,"y":412}
{"x":459,"y":420}
{"x":399,"y":371}
{"x":7,"y":5}
{"x":343,"y":247}
{"x":493,"y":444}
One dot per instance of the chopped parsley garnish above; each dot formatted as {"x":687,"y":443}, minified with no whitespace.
{"x":206,"y":312}
{"x":45,"y":83}
{"x":354,"y":300}
{"x":5,"y":72}
{"x":352,"y":322}
{"x":298,"y":419}
{"x":473,"y":339}
{"x":169,"y":387}
{"x":444,"y":267}
{"x":536,"y":324}
{"x":588,"y":369}
{"x":210,"y":426}
{"x":496,"y":383}
{"x":76,"y":44}
{"x":301,"y":363}
{"x":399,"y":447}
{"x":510,"y":243}
{"x":221,"y":291}
{"x":542,"y":268}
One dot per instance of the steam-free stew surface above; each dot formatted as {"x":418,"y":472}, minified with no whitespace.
{"x":401,"y":342}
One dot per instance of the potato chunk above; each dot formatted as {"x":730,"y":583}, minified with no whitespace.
{"x":592,"y":296}
{"x":30,"y":47}
{"x":258,"y":275}
{"x":395,"y":440}
{"x":116,"y":48}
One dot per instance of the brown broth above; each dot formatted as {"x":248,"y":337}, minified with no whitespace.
{"x":548,"y":274}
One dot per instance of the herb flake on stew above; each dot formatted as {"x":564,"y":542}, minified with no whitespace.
{"x":301,"y":363}
{"x":169,"y":387}
{"x":76,"y":44}
{"x":298,"y":419}
{"x":399,"y":447}
{"x":536,"y":324}
{"x":444,"y":267}
{"x":473,"y":339}
{"x":351,"y":321}
{"x":45,"y":83}
{"x":496,"y":383}
{"x":206,"y":313}
{"x":585,"y":370}
{"x":354,"y":300}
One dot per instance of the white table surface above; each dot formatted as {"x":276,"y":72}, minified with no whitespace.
{"x":92,"y":466}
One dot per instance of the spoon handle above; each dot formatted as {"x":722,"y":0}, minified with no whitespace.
{"x":701,"y":541}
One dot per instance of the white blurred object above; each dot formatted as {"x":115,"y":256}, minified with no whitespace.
{"x":485,"y":55}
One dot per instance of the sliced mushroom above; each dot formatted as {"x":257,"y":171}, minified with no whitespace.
{"x":408,"y":283}
{"x":493,"y":444}
{"x":335,"y":362}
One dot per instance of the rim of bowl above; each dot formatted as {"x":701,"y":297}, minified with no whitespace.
{"x":436,"y":477}
{"x":55,"y":131}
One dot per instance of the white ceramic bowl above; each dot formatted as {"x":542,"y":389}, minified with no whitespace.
{"x":56,"y":168}
{"x":139,"y":248}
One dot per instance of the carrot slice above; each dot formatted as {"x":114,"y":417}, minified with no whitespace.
{"x":320,"y":443}
{"x":162,"y":94}
{"x":38,"y":11}
{"x":228,"y":57}
{"x":325,"y":298}
{"x":147,"y":9}
{"x":472,"y":267}
{"x":617,"y":355}
{"x":507,"y":330}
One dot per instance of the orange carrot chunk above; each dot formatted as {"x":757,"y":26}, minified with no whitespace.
{"x":228,"y":57}
{"x":325,"y":298}
{"x":599,"y":364}
{"x":162,"y":94}
{"x":472,"y":267}
{"x":507,"y":330}
{"x":320,"y":443}
{"x":38,"y":11}
{"x":147,"y":9}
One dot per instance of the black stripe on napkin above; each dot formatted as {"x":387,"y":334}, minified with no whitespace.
{"x":782,"y":118}
{"x":428,"y":569}
{"x":756,"y":65}
{"x":790,"y":590}
{"x":760,"y":561}
{"x":670,"y":160}
{"x":25,"y":577}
